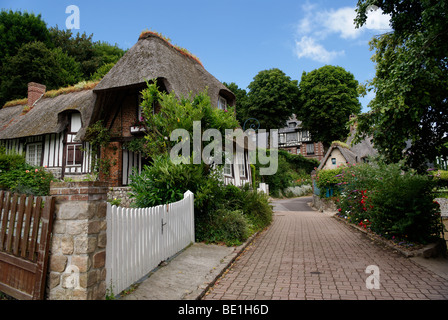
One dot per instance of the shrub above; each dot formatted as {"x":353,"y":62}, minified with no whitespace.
{"x":293,"y":169}
{"x":165,"y":182}
{"x":26,"y":179}
{"x":395,"y":203}
{"x":328,"y":179}
{"x":228,"y":226}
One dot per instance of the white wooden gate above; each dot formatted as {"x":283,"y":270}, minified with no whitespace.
{"x":139,"y":239}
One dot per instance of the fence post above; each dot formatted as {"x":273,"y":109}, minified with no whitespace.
{"x":78,"y":247}
{"x":190,"y":195}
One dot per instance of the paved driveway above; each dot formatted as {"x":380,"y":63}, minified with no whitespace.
{"x":307,"y":254}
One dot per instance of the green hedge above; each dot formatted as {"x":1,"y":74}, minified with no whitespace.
{"x":391,"y":201}
{"x":18,"y":176}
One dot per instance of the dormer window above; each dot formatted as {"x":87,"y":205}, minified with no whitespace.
{"x":222,"y":103}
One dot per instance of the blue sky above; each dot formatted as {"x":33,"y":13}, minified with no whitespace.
{"x":234,"y":39}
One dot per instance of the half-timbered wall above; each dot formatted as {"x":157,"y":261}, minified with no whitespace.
{"x":131,"y":161}
{"x":239,"y":174}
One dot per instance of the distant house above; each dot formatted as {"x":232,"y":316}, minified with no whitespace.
{"x":296,"y":140}
{"x":344,"y":153}
{"x":51,"y":130}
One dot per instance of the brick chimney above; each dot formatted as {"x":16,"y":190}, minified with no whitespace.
{"x":35,"y":92}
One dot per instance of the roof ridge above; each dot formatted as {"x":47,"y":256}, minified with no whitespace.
{"x":80,"y":86}
{"x":147,"y":34}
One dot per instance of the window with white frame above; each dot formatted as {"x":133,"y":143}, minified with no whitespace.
{"x":228,"y":166}
{"x":228,"y":169}
{"x":241,"y":164}
{"x":34,"y":154}
{"x":282,"y":138}
{"x":222,"y":103}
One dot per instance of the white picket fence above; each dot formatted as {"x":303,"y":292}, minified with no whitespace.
{"x":139,"y":239}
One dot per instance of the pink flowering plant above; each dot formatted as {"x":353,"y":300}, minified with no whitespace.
{"x":18,"y":176}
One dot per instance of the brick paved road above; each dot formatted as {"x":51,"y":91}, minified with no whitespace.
{"x":310,"y":255}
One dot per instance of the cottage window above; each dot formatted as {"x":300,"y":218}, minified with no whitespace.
{"x":333,"y":161}
{"x":222,"y":103}
{"x":241,"y":164}
{"x":74,"y":155}
{"x":310,"y":148}
{"x":34,"y":154}
{"x":228,"y":169}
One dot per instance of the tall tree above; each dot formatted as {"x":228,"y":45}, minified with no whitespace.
{"x":272,"y":98}
{"x":17,"y":28}
{"x":35,"y":62}
{"x":411,"y":81}
{"x":328,"y":97}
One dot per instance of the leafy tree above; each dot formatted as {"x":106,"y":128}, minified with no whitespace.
{"x":17,"y":28}
{"x":175,"y":114}
{"x":411,"y":81}
{"x":272,"y":98}
{"x":328,"y":97}
{"x":241,"y":101}
{"x":35,"y":62}
{"x":91,"y":55}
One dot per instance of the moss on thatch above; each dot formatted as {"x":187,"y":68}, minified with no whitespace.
{"x":185,"y":52}
{"x":81,"y":86}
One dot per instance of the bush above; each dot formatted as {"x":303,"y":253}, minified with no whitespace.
{"x":228,"y":226}
{"x":293,"y":170}
{"x":328,"y":179}
{"x":222,"y":213}
{"x":18,"y":176}
{"x":392,"y":202}
{"x":165,"y":182}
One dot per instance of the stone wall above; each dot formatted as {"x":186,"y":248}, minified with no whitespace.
{"x":121,"y":193}
{"x":323,"y":204}
{"x":78,"y":247}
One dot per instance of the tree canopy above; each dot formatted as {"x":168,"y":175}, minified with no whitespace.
{"x":328,"y":96}
{"x":408,"y":117}
{"x":272,"y":98}
{"x":29,"y":51}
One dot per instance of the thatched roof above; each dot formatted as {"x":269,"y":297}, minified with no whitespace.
{"x":154,"y":57}
{"x":352,"y":154}
{"x":47,"y":116}
{"x":362,"y":149}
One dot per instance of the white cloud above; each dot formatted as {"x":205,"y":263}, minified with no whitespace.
{"x":340,"y":21}
{"x":317,"y":25}
{"x":376,"y":20}
{"x":307,"y":47}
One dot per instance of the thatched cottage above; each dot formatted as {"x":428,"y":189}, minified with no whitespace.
{"x":51,"y":130}
{"x":341,"y":154}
